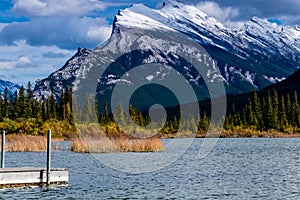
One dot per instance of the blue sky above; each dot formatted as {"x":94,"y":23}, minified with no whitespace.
{"x":38,"y":36}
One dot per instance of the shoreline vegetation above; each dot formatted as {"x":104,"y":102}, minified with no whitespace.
{"x":91,"y":139}
{"x":106,"y":145}
{"x":83,"y":144}
{"x":102,"y":144}
{"x":26,"y":121}
{"x":28,"y":143}
{"x":89,"y":143}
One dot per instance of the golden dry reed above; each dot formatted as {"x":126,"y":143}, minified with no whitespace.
{"x":92,"y":144}
{"x":27,"y":143}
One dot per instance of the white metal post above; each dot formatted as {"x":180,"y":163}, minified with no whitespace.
{"x":3,"y":150}
{"x":48,"y":156}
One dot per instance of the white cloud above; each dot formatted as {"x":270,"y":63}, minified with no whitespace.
{"x":21,"y":62}
{"x":64,"y":32}
{"x":5,"y":65}
{"x":225,"y":15}
{"x":262,"y":9}
{"x":99,"y":33}
{"x":33,"y":8}
{"x":213,"y":9}
{"x":235,"y":24}
{"x":33,"y":49}
{"x":291,"y":19}
{"x":29,"y":5}
{"x":2,"y":25}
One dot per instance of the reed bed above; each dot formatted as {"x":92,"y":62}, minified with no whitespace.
{"x":90,"y":144}
{"x":27,"y":143}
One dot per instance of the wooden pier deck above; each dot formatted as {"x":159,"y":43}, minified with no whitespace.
{"x":15,"y":177}
{"x":12,"y":177}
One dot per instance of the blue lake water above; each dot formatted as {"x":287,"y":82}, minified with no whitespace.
{"x":235,"y":169}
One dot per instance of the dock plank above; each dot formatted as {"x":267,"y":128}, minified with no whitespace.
{"x":16,"y":176}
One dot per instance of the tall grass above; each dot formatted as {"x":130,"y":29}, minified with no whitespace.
{"x":27,"y":143}
{"x":91,"y":144}
{"x":93,"y":140}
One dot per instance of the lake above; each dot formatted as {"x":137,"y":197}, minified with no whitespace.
{"x":234,"y":169}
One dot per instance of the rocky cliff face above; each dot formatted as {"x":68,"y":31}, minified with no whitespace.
{"x":254,"y":57}
{"x":12,"y":87}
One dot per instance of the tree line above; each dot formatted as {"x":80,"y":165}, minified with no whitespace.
{"x":260,"y":113}
{"x":270,"y":112}
{"x":22,"y":105}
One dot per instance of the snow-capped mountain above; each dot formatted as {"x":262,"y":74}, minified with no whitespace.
{"x":259,"y":54}
{"x":61,"y":78}
{"x":12,"y":87}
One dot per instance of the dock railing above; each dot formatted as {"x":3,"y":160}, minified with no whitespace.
{"x":3,"y":150}
{"x":10,"y":177}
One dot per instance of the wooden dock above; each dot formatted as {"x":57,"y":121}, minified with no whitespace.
{"x":13,"y":177}
{"x":17,"y":177}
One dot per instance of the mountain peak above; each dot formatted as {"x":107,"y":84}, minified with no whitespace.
{"x":172,"y":3}
{"x":251,"y":58}
{"x":174,"y":15}
{"x":257,"y":22}
{"x":138,"y":16}
{"x":82,"y":51}
{"x":12,"y":87}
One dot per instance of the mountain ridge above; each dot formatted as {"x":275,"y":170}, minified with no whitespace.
{"x":62,"y":78}
{"x":12,"y":87}
{"x":251,"y":58}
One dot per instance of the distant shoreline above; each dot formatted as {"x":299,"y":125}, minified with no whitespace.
{"x":30,"y":143}
{"x":238,"y":135}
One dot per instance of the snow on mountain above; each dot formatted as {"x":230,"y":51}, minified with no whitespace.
{"x":256,"y":56}
{"x":271,"y":38}
{"x":207,"y":30}
{"x":62,"y":78}
{"x":12,"y":87}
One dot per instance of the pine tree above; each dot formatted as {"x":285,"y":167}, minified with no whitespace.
{"x":204,"y":123}
{"x":62,"y":105}
{"x":270,"y":123}
{"x":237,"y":120}
{"x":119,"y":116}
{"x":1,"y":107}
{"x":51,"y":107}
{"x":134,"y":114}
{"x":29,"y":101}
{"x":249,"y":114}
{"x":264,"y":109}
{"x":13,"y":106}
{"x":244,"y":117}
{"x":289,"y":112}
{"x":44,"y":112}
{"x":141,"y":120}
{"x":105,"y":112}
{"x":88,"y":113}
{"x":176,"y":125}
{"x":275,"y":105}
{"x":256,"y":110}
{"x":228,"y":124}
{"x":20,"y":105}
{"x":37,"y":110}
{"x":68,"y":106}
{"x":295,"y":111}
{"x":282,"y":115}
